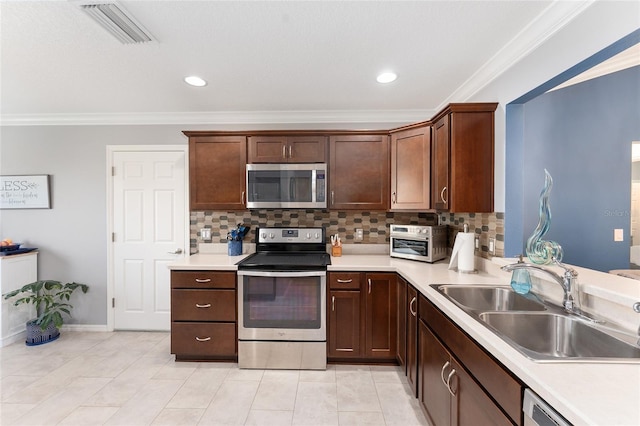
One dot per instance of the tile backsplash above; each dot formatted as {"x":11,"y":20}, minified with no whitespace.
{"x":375,"y":225}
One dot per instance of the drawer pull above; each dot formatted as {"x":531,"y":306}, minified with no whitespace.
{"x":451,"y":374}
{"x":444,"y":367}
{"x":203,"y":280}
{"x":202,"y":339}
{"x":208,"y":305}
{"x":414,"y":313}
{"x":345,"y":281}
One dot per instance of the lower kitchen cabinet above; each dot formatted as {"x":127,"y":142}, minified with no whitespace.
{"x":459,"y":383}
{"x":380,"y":316}
{"x":203,"y":315}
{"x":362,"y":316}
{"x":344,"y":324}
{"x":401,"y":350}
{"x":412,"y":338}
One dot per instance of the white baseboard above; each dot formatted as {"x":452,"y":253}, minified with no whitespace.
{"x":6,"y":341}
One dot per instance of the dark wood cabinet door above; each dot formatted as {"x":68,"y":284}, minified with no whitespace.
{"x":217,"y":167}
{"x":381,"y":325}
{"x":287,"y":149}
{"x":471,"y":405}
{"x":411,"y":169}
{"x":401,"y":350}
{"x":344,"y":336}
{"x":440,"y":176}
{"x":359,"y":172}
{"x":434,"y":365}
{"x":471,"y":151}
{"x":267,"y":149}
{"x":412,"y":338}
{"x":307,"y":149}
{"x":463,"y":158}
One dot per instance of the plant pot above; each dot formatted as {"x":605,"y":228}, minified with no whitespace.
{"x":37,"y":336}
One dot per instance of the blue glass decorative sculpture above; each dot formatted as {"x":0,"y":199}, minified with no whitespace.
{"x":538,"y":250}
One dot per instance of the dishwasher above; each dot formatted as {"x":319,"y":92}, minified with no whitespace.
{"x":539,"y":413}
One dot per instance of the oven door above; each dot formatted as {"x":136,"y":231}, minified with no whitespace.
{"x":408,"y":248}
{"x":287,"y":306}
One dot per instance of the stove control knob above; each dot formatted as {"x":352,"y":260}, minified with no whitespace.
{"x":263,"y":235}
{"x":272,"y":235}
{"x":317,"y":236}
{"x":308,"y":235}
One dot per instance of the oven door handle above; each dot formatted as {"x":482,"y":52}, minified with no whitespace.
{"x":282,"y":273}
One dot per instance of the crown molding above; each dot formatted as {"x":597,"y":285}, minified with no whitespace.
{"x":551,"y":20}
{"x":220,"y":118}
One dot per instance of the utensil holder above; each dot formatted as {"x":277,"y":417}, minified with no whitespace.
{"x":336,"y":251}
{"x":234,"y":248}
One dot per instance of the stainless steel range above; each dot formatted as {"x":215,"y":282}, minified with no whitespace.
{"x":282,"y":300}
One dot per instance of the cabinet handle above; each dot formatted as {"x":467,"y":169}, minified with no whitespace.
{"x":414,"y":313}
{"x":442,"y":195}
{"x":202,"y":339}
{"x":290,"y":152}
{"x":333,"y":198}
{"x":333,"y":303}
{"x":369,"y":285}
{"x":208,"y":305}
{"x":393,"y":197}
{"x":284,"y":151}
{"x":451,"y":374}
{"x":345,"y":281}
{"x":242,"y":198}
{"x":203,"y":280}
{"x":444,"y":367}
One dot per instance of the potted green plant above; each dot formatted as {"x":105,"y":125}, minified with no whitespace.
{"x":51,"y":299}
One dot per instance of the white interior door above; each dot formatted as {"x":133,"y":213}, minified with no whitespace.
{"x":149,"y":232}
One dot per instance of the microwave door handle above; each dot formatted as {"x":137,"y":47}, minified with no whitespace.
{"x":292,"y":189}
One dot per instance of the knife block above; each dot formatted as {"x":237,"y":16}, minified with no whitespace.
{"x":336,"y":251}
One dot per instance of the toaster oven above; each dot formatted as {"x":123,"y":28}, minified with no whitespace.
{"x":415,"y":242}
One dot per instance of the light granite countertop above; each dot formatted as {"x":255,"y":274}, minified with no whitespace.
{"x":584,"y":393}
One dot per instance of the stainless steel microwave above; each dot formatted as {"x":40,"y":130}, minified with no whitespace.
{"x":291,"y":186}
{"x":423,"y":243}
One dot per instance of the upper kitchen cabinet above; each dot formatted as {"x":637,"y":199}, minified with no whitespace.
{"x":217,"y":167}
{"x":287,"y":149}
{"x":462,"y":155}
{"x":359,"y":172}
{"x":411,"y":167}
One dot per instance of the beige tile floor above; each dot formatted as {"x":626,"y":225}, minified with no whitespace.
{"x":130,"y":378}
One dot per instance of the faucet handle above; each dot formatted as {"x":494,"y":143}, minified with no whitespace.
{"x":567,"y":269}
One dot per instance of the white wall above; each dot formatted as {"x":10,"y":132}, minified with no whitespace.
{"x":599,"y":26}
{"x":72,"y":235}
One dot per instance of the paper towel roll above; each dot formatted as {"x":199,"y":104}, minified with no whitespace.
{"x":462,"y":254}
{"x":466,"y":258}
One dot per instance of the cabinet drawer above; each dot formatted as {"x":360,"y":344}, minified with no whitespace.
{"x":203,"y":305}
{"x":505,"y":389}
{"x":203,"y":279}
{"x":201,"y":339}
{"x":344,"y":280}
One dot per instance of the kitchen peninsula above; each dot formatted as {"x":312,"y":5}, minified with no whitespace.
{"x":584,"y":393}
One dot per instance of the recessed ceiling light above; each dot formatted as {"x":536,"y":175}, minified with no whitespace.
{"x":195,"y":81}
{"x":386,"y":77}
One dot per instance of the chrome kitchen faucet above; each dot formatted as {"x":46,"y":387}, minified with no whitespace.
{"x":568,"y":282}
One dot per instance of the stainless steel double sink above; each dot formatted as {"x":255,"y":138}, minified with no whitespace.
{"x":540,"y":330}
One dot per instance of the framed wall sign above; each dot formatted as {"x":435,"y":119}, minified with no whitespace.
{"x":24,"y":192}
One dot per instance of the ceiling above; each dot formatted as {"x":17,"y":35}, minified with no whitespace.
{"x":265,"y":61}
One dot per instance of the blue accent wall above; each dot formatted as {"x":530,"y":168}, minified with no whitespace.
{"x":582,"y":134}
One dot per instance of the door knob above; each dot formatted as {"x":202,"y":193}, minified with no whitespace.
{"x":177,"y":251}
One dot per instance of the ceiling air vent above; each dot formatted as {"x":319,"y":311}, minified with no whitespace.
{"x":118,"y":22}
